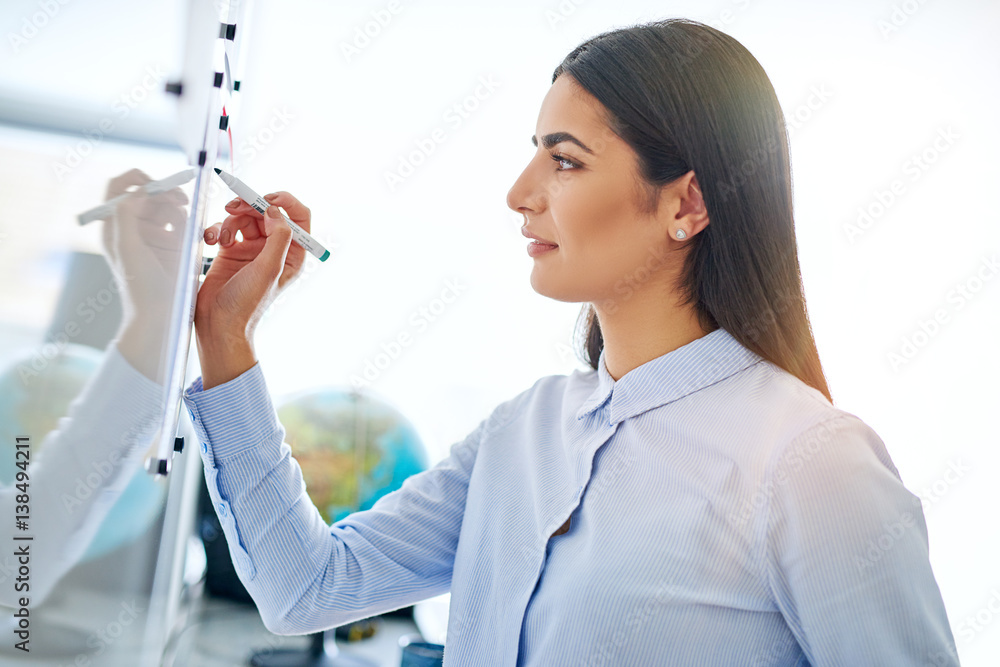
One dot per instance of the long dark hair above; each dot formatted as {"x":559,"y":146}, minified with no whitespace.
{"x":685,"y":96}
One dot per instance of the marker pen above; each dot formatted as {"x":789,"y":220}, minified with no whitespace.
{"x":261,"y":205}
{"x":151,"y":188}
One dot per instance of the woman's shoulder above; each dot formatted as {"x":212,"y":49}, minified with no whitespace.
{"x":770,"y":389}
{"x":799,"y":418}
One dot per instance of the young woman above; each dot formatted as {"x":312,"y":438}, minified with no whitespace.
{"x":695,"y":499}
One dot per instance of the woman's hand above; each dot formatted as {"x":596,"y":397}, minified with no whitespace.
{"x":142,"y":242}
{"x":244,"y":279}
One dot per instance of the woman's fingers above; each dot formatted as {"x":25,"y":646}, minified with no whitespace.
{"x":212,"y":233}
{"x":250,"y":226}
{"x":121,"y":184}
{"x":238,"y":206}
{"x":278,"y":237}
{"x":175,"y":197}
{"x":224,"y":233}
{"x":296,"y":210}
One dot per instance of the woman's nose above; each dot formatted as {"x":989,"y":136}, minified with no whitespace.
{"x":520,"y":197}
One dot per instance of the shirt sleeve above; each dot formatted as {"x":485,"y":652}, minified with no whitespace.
{"x":847,"y":553}
{"x":303,"y":574}
{"x":83,"y":467}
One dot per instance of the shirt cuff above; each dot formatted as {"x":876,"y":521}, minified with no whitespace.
{"x":232,"y":417}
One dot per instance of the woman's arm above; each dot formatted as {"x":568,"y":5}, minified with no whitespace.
{"x":303,"y":574}
{"x":847,"y":553}
{"x":80,"y":471}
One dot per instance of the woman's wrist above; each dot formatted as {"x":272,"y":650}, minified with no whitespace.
{"x":140,"y":341}
{"x":224,"y":357}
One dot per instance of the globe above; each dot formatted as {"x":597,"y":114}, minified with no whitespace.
{"x":35,"y":393}
{"x":353,"y":448}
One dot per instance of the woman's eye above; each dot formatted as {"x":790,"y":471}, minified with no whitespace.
{"x":563,"y":160}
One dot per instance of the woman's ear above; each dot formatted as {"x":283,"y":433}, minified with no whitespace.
{"x":690,"y":215}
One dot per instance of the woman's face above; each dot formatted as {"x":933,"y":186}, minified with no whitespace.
{"x":588,"y":203}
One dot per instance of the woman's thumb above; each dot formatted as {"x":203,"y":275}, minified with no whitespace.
{"x":279,"y":237}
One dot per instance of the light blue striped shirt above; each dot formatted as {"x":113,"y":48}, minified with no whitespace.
{"x":721,"y":512}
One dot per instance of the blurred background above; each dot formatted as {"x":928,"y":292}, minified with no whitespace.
{"x":403,"y":125}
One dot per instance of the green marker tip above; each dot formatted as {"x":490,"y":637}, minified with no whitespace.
{"x":325,"y":255}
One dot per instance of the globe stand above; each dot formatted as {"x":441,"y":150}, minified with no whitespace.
{"x":320,"y":653}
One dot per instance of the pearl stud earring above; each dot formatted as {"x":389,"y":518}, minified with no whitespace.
{"x":680,"y":234}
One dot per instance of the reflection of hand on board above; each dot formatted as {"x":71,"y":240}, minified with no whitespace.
{"x":141,"y":236}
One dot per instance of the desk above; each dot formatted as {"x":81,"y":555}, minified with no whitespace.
{"x":223,"y":633}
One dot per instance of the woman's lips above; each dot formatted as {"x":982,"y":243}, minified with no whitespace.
{"x":535,"y":248}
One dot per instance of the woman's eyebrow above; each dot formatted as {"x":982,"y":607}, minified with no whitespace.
{"x":550,"y":140}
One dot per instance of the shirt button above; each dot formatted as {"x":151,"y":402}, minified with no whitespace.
{"x":222,"y":509}
{"x":204,"y":447}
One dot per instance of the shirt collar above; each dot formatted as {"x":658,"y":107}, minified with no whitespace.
{"x":702,"y":362}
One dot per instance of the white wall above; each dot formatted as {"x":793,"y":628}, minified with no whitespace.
{"x":886,"y":98}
